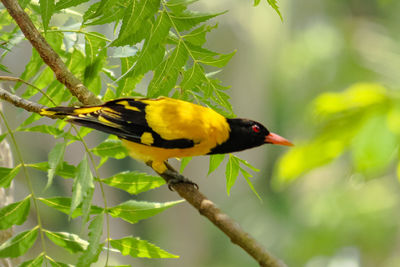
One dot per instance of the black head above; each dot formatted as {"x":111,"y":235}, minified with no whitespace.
{"x":246,"y":134}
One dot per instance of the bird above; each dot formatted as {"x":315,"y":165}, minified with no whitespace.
{"x":155,"y":130}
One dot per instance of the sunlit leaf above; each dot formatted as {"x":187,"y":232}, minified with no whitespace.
{"x":215,"y":161}
{"x":231,"y":172}
{"x":71,"y":242}
{"x":83,"y":187}
{"x":93,"y":250}
{"x":37,"y":262}
{"x":18,"y":244}
{"x":65,"y":170}
{"x":184,"y":162}
{"x":14,"y":214}
{"x":134,"y":182}
{"x":68,"y":3}
{"x":138,"y":248}
{"x":133,"y":211}
{"x":47,"y":8}
{"x":63,"y":204}
{"x":56,"y":156}
{"x":111,"y":148}
{"x":7,"y":175}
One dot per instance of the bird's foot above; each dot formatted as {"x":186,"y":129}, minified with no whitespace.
{"x":177,"y":178}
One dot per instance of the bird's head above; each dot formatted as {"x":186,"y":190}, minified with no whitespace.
{"x":246,"y":134}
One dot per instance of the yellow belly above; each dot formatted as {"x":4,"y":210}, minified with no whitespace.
{"x":157,"y":155}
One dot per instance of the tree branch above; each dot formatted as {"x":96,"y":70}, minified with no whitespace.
{"x":205,"y":206}
{"x":49,"y":56}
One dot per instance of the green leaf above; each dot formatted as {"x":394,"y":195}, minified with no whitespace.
{"x":65,"y":170}
{"x":153,"y":49}
{"x":47,"y":129}
{"x":231,"y":172}
{"x":56,"y":156}
{"x":215,"y":161}
{"x":31,"y":69}
{"x":96,"y":55}
{"x":138,"y":248}
{"x":14,"y":214}
{"x":111,"y":148}
{"x":47,"y":8}
{"x":274,"y":5}
{"x":18,"y":244}
{"x":2,"y":136}
{"x":32,"y":118}
{"x":133,"y":211}
{"x":92,"y":252}
{"x":83,"y":187}
{"x":63,"y":204}
{"x":166,"y":74}
{"x":37,"y":262}
{"x":197,"y":37}
{"x":186,"y":20}
{"x":135,"y":24}
{"x":63,"y":4}
{"x":7,"y":175}
{"x":257,"y":2}
{"x":184,"y":162}
{"x":247,"y":177}
{"x":71,"y":242}
{"x":134,"y":182}
{"x":373,"y":155}
{"x":59,"y":264}
{"x":105,"y":12}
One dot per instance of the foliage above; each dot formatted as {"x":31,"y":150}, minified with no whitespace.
{"x":158,"y":37}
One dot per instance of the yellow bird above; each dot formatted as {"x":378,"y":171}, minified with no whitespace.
{"x":155,"y":130}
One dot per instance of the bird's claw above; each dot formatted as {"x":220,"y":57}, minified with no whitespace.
{"x":176,"y":178}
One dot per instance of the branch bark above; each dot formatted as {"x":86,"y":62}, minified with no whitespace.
{"x":199,"y":201}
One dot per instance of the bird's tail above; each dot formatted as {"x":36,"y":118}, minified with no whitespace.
{"x":69,"y":111}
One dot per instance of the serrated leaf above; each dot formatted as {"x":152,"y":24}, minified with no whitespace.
{"x":63,"y":204}
{"x":231,"y":172}
{"x":198,"y":36}
{"x":248,"y":165}
{"x":83,"y":187}
{"x":14,"y":214}
{"x":63,"y":4}
{"x":133,"y":211}
{"x":56,"y":156}
{"x":135,"y":25}
{"x":7,"y":175}
{"x":32,"y":118}
{"x":111,"y":148}
{"x":247,"y":177}
{"x":134,"y":182}
{"x":18,"y":244}
{"x":166,"y":73}
{"x":274,"y":5}
{"x":47,"y":129}
{"x":153,"y":49}
{"x":92,"y":252}
{"x":104,"y":12}
{"x":215,"y":161}
{"x":37,"y":262}
{"x":47,"y":8}
{"x":138,"y":248}
{"x":96,"y":55}
{"x":186,"y":20}
{"x":65,"y":170}
{"x":71,"y":242}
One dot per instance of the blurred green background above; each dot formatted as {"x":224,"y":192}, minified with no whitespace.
{"x":325,"y":78}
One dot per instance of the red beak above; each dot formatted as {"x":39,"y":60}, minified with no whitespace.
{"x":277,"y":140}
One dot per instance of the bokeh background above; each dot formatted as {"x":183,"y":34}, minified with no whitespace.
{"x":341,"y":208}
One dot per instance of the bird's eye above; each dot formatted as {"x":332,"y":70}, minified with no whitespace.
{"x":256,"y":128}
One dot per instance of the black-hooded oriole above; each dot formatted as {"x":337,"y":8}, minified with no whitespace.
{"x":155,"y":130}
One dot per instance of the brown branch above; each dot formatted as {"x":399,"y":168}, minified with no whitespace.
{"x":205,"y":206}
{"x":49,"y":56}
